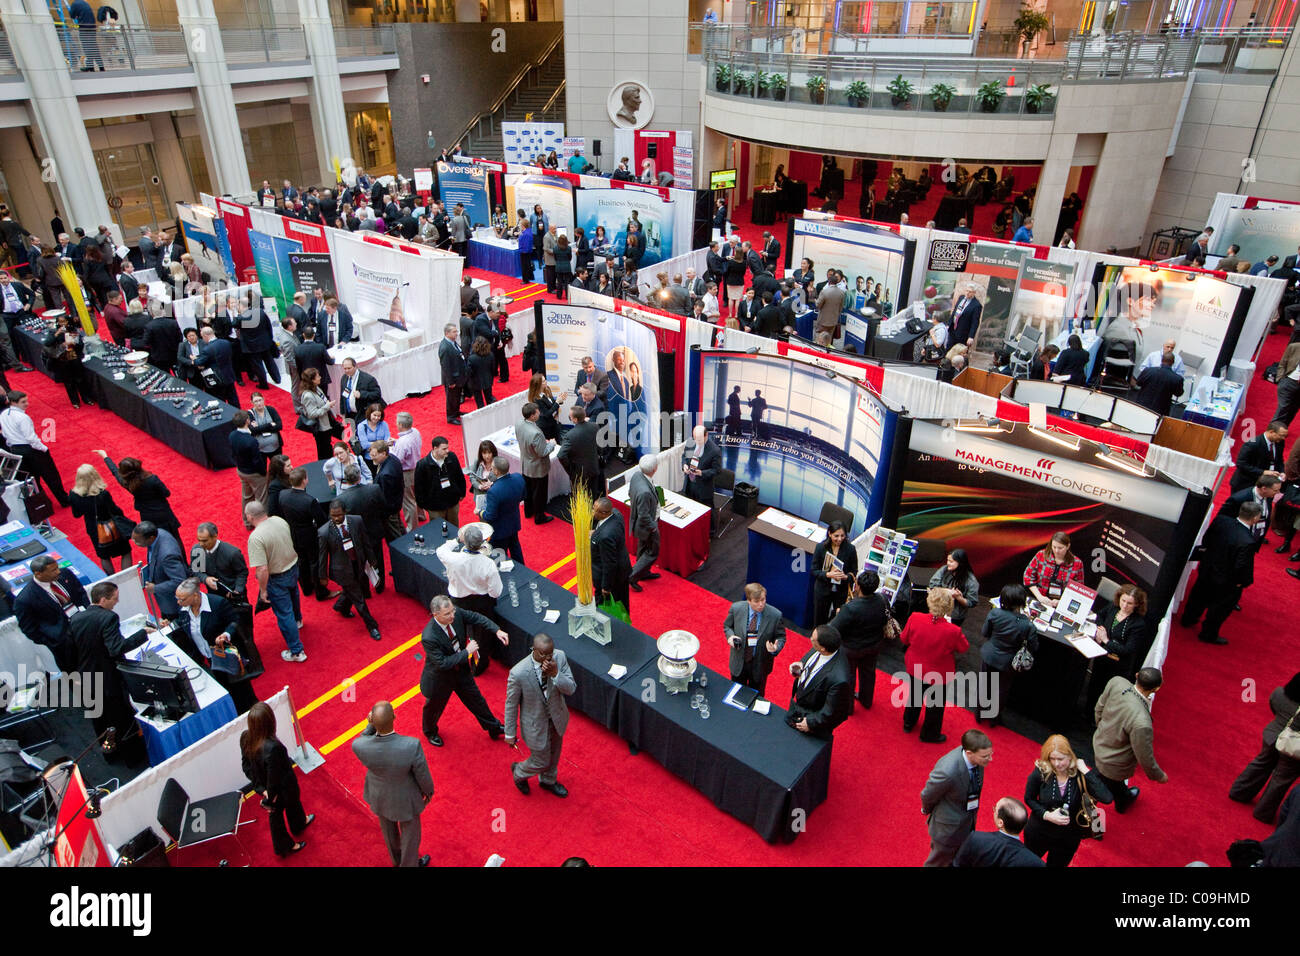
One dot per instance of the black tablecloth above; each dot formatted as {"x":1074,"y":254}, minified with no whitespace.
{"x":1049,"y":691}
{"x":899,"y":347}
{"x":793,"y":197}
{"x":751,"y":765}
{"x":952,"y":209}
{"x":765,"y":208}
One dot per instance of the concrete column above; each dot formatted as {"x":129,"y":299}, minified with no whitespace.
{"x":27,"y":193}
{"x":218,"y":120}
{"x":55,"y":114}
{"x":329,"y":120}
{"x":1051,"y":187}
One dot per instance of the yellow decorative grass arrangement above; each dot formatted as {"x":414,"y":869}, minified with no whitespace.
{"x":72,"y":284}
{"x":580,"y":510}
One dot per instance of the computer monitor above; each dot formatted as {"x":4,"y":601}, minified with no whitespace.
{"x":167,"y":690}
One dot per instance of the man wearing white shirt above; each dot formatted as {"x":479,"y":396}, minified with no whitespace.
{"x":473,"y":580}
{"x":20,"y":436}
{"x":406,"y":449}
{"x":1153,"y":360}
{"x":712,"y":309}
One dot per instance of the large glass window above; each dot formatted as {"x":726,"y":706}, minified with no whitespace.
{"x":135,"y":191}
{"x":272,"y":153}
{"x":370,"y":129}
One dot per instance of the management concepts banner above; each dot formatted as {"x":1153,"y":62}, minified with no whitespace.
{"x":613,"y":208}
{"x":769,"y":415}
{"x":553,"y":194}
{"x":856,"y":249}
{"x":1195,"y":313}
{"x":466,"y":184}
{"x":1260,"y":233}
{"x":626,"y":351}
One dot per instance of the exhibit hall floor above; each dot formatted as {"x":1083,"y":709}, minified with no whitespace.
{"x":627,"y":810}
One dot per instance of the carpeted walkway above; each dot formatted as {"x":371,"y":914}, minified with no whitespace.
{"x":626,"y":809}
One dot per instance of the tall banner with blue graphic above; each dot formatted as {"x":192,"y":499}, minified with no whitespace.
{"x":274,"y":269}
{"x":466,"y":184}
{"x":521,"y":142}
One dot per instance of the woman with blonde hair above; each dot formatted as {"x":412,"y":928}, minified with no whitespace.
{"x":1054,"y":796}
{"x":108,"y":528}
{"x":933,"y":643}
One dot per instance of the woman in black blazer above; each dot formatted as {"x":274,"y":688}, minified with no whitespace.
{"x":582,"y":254}
{"x":481,"y":364}
{"x":1073,"y":362}
{"x":539,"y":393}
{"x":277,"y":473}
{"x":267,"y":765}
{"x":1006,"y":630}
{"x":1122,"y":630}
{"x":563,"y":268}
{"x":1054,"y":796}
{"x":64,"y":350}
{"x":633,"y":250}
{"x":147,"y":489}
{"x":830,"y":584}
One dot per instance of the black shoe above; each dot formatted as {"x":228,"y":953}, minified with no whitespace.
{"x":651,"y":576}
{"x":1236,"y":607}
{"x":556,"y":788}
{"x":306,"y":823}
{"x":1188,"y":622}
{"x":1293,"y":572}
{"x":348,"y":613}
{"x":520,"y":784}
{"x":544,"y":519}
{"x":1213,"y":640}
{"x":496,"y":732}
{"x":634,"y":586}
{"x":907,"y":728}
{"x":327,"y":595}
{"x":424,"y":860}
{"x":1294,"y":557}
{"x":76,"y":404}
{"x":23,"y":367}
{"x":1284,"y":547}
{"x":374,"y":634}
{"x":933,"y":740}
{"x":435,"y":740}
{"x":294,"y":849}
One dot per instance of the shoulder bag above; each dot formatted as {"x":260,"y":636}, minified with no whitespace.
{"x":1288,"y":741}
{"x":892,"y":629}
{"x":1089,"y":817}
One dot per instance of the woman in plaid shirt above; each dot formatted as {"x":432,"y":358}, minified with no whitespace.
{"x":1052,"y":569}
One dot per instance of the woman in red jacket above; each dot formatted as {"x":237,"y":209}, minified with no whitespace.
{"x":933,"y":643}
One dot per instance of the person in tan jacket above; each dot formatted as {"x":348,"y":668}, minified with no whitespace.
{"x":1288,"y":384}
{"x":1124,"y":738}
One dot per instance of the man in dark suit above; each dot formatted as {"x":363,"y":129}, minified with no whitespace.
{"x":345,"y":551}
{"x":501,"y":508}
{"x":592,"y":402}
{"x":398,"y":784}
{"x":304,"y":515}
{"x":643,"y":514}
{"x":312,"y":354}
{"x":1261,"y":455}
{"x":162,"y":340}
{"x":951,"y":797}
{"x":1002,"y":848}
{"x":1227,"y":568}
{"x":258,"y":345}
{"x":1159,"y":385}
{"x":469,"y":298}
{"x":150,"y":256}
{"x":336,"y":324}
{"x":591,"y":375}
{"x":367,"y":502}
{"x":391,"y":481}
{"x":701,"y":461}
{"x":216,"y":354}
{"x":768,"y":321}
{"x":358,"y":390}
{"x":580,"y":454}
{"x":611,"y":565}
{"x":822,"y":697}
{"x":1266,"y":489}
{"x":753,"y":261}
{"x":755,"y":632}
{"x":485,"y":328}
{"x":219,"y":563}
{"x":452,"y":361}
{"x":965,"y":316}
{"x":97,"y":643}
{"x":250,"y":460}
{"x":298,"y":310}
{"x":449,"y":657}
{"x":771,"y":252}
{"x":164,"y":565}
{"x":41,"y":608}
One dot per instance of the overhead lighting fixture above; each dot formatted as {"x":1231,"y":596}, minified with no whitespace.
{"x":985,"y":426}
{"x":1065,"y":441}
{"x":1124,"y":462}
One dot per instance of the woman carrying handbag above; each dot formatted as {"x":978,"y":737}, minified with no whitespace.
{"x":108,"y":528}
{"x":1061,"y":794}
{"x":1010,"y":641}
{"x":314,"y":415}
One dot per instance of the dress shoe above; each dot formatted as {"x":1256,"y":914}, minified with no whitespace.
{"x":1294,"y":557}
{"x":1293,"y":572}
{"x":934,"y":740}
{"x":907,"y":728}
{"x":651,"y":576}
{"x":374,"y":634}
{"x":348,"y":613}
{"x":544,"y":519}
{"x":294,"y":849}
{"x":520,"y":784}
{"x":23,"y":367}
{"x":435,"y":740}
{"x":1213,"y":640}
{"x":262,"y":605}
{"x":327,"y":595}
{"x":635,"y":587}
{"x":1284,"y":547}
{"x":496,"y":732}
{"x":424,"y":860}
{"x":556,"y":788}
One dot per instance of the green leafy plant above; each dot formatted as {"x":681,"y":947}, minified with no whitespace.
{"x":990,"y":95}
{"x":941,"y":95}
{"x":816,"y":88}
{"x":779,"y":84}
{"x":858,"y":92}
{"x":741,"y":82}
{"x":900,"y":90}
{"x":722,"y":77}
{"x":762,"y":82}
{"x":1029,"y":23}
{"x":1038,"y":96}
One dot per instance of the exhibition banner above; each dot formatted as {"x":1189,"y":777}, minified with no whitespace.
{"x":1042,"y":291}
{"x":422,"y":176}
{"x":466,"y":184}
{"x":683,"y":167}
{"x":274,"y":272}
{"x":416,"y":290}
{"x":572,"y":146}
{"x":238,"y":223}
{"x":309,"y":235}
{"x":624,"y":348}
{"x":613,"y":209}
{"x":988,"y":270}
{"x":223,"y":248}
{"x":1260,"y":233}
{"x":521,"y":142}
{"x":1194,"y":310}
{"x":199,"y":227}
{"x":553,"y":193}
{"x":377,"y":294}
{"x":311,"y":271}
{"x":857,"y":249}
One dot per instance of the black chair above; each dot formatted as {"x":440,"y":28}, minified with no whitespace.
{"x":1117,"y":366}
{"x":189,"y":823}
{"x":724,"y":480}
{"x":833,"y":512}
{"x":931,"y":554}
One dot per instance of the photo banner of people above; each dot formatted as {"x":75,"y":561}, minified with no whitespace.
{"x":988,"y":270}
{"x":553,"y":194}
{"x":768,"y":415}
{"x":623,"y":350}
{"x":859,"y":251}
{"x":1260,"y":233}
{"x":274,"y":272}
{"x":466,"y":184}
{"x":1042,"y":290}
{"x":615,"y":208}
{"x":202,"y":228}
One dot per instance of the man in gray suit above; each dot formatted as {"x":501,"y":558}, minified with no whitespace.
{"x":535,"y":692}
{"x":830,"y":303}
{"x":756,"y":632}
{"x":534,"y":463}
{"x":951,"y":796}
{"x":644,"y":504}
{"x":398,"y":784}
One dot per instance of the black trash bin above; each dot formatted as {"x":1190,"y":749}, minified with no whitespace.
{"x":744,"y":500}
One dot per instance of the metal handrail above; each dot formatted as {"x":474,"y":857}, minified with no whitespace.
{"x":365,"y":41}
{"x":264,"y":46}
{"x":125,"y":48}
{"x":8,"y":65}
{"x":512,"y":88}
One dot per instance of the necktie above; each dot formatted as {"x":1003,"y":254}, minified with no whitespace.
{"x":455,"y":644}
{"x":752,"y":618}
{"x":64,"y":597}
{"x":976,"y":780}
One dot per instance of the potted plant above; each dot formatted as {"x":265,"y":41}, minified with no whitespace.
{"x":990,"y":95}
{"x":1038,"y":96}
{"x":722,"y":77}
{"x":900,"y":91}
{"x":779,"y":83}
{"x":1029,"y":23}
{"x":857,"y":93}
{"x":762,"y":83}
{"x":816,"y":88}
{"x":941,"y":95}
{"x":740,"y":82}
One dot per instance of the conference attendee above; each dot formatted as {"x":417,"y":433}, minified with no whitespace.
{"x":1072,"y":364}
{"x":388,"y":476}
{"x":536,"y":689}
{"x":1197,"y":252}
{"x":861,"y":624}
{"x":367,"y":502}
{"x":1122,"y":631}
{"x":822,"y":696}
{"x":454,"y":368}
{"x":771,"y":251}
{"x":274,"y":561}
{"x":932,"y":643}
{"x":579,"y":453}
{"x":358,"y":390}
{"x":834,"y":566}
{"x":960,"y":581}
{"x":407,"y":448}
{"x":96,"y":645}
{"x":501,"y":508}
{"x":1001,"y":848}
{"x":534,"y":462}
{"x":265,"y":425}
{"x":1271,"y":771}
{"x":162,"y":340}
{"x":1026,"y":231}
{"x":1052,"y":570}
{"x":1054,"y":794}
{"x":701,"y":462}
{"x":278,"y":468}
{"x":208,"y":628}
{"x":1265,"y":267}
{"x":314,"y":355}
{"x":1158,"y":387}
{"x":1264,"y":493}
{"x":1259,"y":456}
{"x":304,"y":515}
{"x":257,"y":343}
{"x":755,"y":633}
{"x":1227,"y":568}
{"x":398,"y":784}
{"x":1124,"y":739}
{"x":734,"y":277}
{"x":830,"y":303}
{"x":336,"y":325}
{"x":548,"y":406}
{"x":591,"y":375}
{"x":439,"y":485}
{"x":164,"y":565}
{"x":268,"y":767}
{"x":481,"y":366}
{"x":315,"y":411}
{"x":1153,"y":358}
{"x":611,"y":565}
{"x":19,"y":434}
{"x":473,"y":581}
{"x":643,"y":503}
{"x":64,"y":349}
{"x":298,"y":310}
{"x":219,"y":564}
{"x":106,"y":526}
{"x":965,"y":316}
{"x":481,"y":475}
{"x":469,"y":298}
{"x":372,"y":428}
{"x":345,"y":555}
{"x":1007,"y":631}
{"x":216,"y":359}
{"x":450,"y":656}
{"x":46,"y":603}
{"x":951,"y":796}
{"x":1288,"y":385}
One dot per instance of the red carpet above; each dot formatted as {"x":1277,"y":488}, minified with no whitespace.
{"x":628,"y":810}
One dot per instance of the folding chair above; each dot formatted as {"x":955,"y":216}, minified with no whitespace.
{"x":724,"y":480}
{"x":189,"y":823}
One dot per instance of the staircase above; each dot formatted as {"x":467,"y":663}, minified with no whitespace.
{"x":538,"y":88}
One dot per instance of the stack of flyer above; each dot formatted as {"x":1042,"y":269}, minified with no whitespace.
{"x":889,"y":554}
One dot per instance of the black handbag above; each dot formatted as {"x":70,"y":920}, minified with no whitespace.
{"x":38,"y":504}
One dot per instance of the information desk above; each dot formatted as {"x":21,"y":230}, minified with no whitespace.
{"x":508,"y":447}
{"x":899,"y":346}
{"x":780,"y":559}
{"x":683,"y":538}
{"x":1049,"y":691}
{"x":495,"y":255}
{"x":751,"y":765}
{"x":1091,"y":342}
{"x":165,"y":739}
{"x":1216,"y":402}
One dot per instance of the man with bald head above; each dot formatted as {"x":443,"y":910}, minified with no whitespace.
{"x":611,"y":565}
{"x":398,"y":783}
{"x":535,"y":692}
{"x":701,"y":461}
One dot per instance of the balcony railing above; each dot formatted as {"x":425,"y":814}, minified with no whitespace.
{"x":124,"y":49}
{"x":8,"y":66}
{"x":353,"y":42}
{"x":264,"y":46}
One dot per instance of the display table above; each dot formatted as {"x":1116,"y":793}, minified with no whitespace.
{"x":773,"y":535}
{"x":1215,"y":402}
{"x":766,"y":206}
{"x":359,"y":352}
{"x":508,"y":447}
{"x":15,"y":534}
{"x":897,"y":346}
{"x":494,"y":255}
{"x":166,"y":738}
{"x":683,"y":538}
